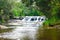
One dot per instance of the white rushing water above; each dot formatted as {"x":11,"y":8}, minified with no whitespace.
{"x":20,"y":32}
{"x":27,"y":30}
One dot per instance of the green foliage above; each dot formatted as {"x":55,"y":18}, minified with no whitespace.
{"x":18,"y":9}
{"x":33,"y":12}
{"x":49,"y":8}
{"x":21,"y":10}
{"x":27,"y":2}
{"x":4,"y":10}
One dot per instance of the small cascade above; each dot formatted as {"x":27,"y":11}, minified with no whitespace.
{"x":29,"y":29}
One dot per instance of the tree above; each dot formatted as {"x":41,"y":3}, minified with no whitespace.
{"x":5,"y":7}
{"x":50,"y":9}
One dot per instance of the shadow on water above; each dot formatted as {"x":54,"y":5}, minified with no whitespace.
{"x":48,"y":34}
{"x":4,"y":39}
{"x":6,"y":30}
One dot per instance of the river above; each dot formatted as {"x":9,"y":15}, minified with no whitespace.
{"x":24,"y":31}
{"x":20,"y":32}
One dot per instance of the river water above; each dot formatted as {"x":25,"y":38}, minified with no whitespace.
{"x":21,"y":32}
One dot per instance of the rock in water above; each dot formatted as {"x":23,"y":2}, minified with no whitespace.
{"x":3,"y":27}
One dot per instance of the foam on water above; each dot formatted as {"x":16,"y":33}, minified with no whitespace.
{"x":19,"y":32}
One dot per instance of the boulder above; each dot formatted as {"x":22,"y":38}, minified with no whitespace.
{"x":3,"y":27}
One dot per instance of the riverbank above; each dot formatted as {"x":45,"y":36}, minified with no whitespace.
{"x":49,"y":33}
